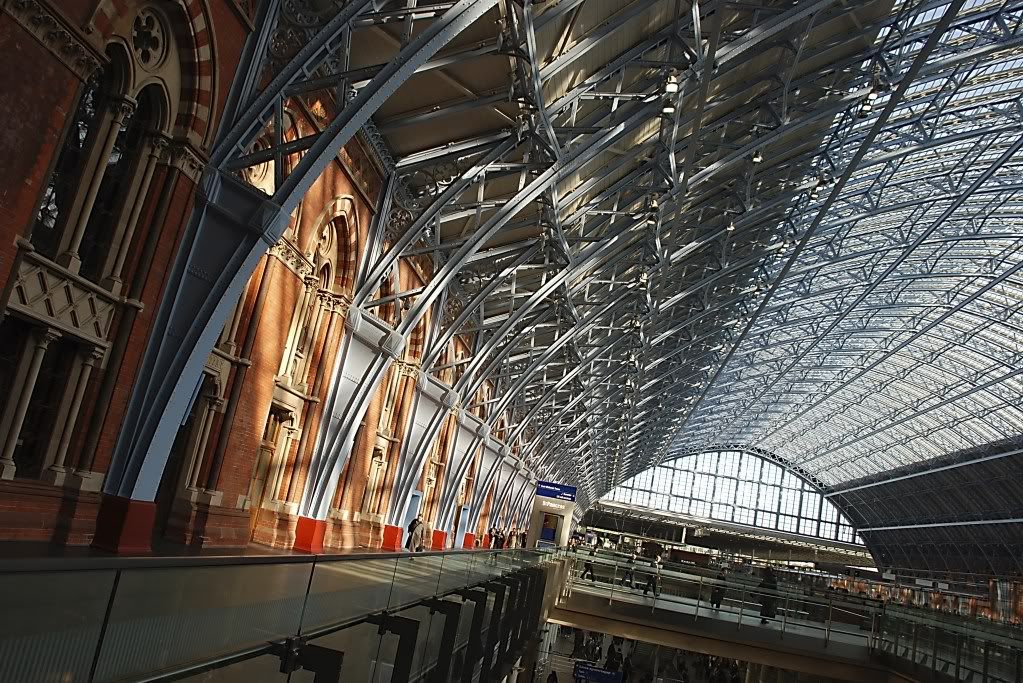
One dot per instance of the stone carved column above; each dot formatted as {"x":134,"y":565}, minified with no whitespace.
{"x":121,"y":109}
{"x":204,"y":426}
{"x":21,"y":398}
{"x":129,"y":218}
{"x":68,"y":418}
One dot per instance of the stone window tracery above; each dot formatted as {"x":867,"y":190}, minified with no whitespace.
{"x":92,"y":200}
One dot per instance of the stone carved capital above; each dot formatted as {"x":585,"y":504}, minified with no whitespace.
{"x":290,"y":256}
{"x":181,"y":156}
{"x":121,"y":107}
{"x":94,"y":355}
{"x":46,"y":336}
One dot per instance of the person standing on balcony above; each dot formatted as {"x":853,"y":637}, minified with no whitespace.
{"x":768,"y":601}
{"x":630,"y":570}
{"x":588,"y":567}
{"x":416,"y":538}
{"x":653,"y":576}
{"x":410,"y":541}
{"x":718,"y":594}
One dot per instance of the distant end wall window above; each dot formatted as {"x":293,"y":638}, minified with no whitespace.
{"x":740,"y":488}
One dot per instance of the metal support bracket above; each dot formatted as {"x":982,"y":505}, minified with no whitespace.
{"x":452,"y":612}
{"x":296,"y":653}
{"x":407,"y":631}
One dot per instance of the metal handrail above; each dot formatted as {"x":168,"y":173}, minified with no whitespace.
{"x":100,"y":562}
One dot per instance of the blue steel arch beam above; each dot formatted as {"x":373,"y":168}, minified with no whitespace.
{"x":337,"y":432}
{"x":220,"y":251}
{"x":413,"y":460}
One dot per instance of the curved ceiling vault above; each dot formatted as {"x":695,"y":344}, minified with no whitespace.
{"x":792,"y":226}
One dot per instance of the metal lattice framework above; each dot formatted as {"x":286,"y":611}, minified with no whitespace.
{"x":659,"y":226}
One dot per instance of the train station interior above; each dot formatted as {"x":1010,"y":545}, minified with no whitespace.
{"x":675,"y":341}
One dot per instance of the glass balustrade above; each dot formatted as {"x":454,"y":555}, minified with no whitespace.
{"x":978,"y":651}
{"x":141,"y":618}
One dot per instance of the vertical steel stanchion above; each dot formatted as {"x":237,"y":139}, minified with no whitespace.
{"x":742,"y":605}
{"x":614,"y":579}
{"x":784,"y":615}
{"x":959,"y":655}
{"x":916,"y":633}
{"x":699,"y":594}
{"x":987,"y":658}
{"x":827,"y":625}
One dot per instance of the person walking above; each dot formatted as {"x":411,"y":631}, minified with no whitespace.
{"x":552,"y":677}
{"x":630,"y":570}
{"x":653,"y":576}
{"x":411,"y":541}
{"x":419,"y":536}
{"x":588,"y":567}
{"x":768,"y":601}
{"x":718,"y":594}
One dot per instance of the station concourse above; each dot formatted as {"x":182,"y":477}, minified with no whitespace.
{"x":397,"y":340}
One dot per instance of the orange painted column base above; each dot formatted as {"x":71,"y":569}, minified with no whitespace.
{"x":125,"y":526}
{"x":440,"y":540}
{"x":392,"y":537}
{"x":485,"y":543}
{"x":309,"y":535}
{"x":469,"y":542}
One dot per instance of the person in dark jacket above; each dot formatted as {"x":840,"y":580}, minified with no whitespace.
{"x":552,"y":677}
{"x":630,"y":572}
{"x":653,"y":576}
{"x":588,"y":567}
{"x":768,"y":602}
{"x":718,"y":594}
{"x":412,"y":526}
{"x":417,"y":539}
{"x":614,"y":658}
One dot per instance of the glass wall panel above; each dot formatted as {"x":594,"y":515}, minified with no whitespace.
{"x":740,"y":487}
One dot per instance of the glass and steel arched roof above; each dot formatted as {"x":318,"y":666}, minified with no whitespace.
{"x":666,"y":228}
{"x":736,"y":487}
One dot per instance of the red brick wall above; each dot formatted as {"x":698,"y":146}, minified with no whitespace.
{"x":31,"y":79}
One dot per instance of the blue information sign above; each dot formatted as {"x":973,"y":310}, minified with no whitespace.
{"x":593,"y":674}
{"x":551,"y":490}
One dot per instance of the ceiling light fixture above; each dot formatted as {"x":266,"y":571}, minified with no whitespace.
{"x":671,"y":85}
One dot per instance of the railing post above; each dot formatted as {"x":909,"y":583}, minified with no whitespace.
{"x":742,"y":605}
{"x":959,"y":655}
{"x":614,"y":580}
{"x":699,"y":594}
{"x":871,"y":639}
{"x":916,"y":632}
{"x":934,"y":649}
{"x":987,"y":660}
{"x":785,"y":615}
{"x":103,"y":626}
{"x":827,"y":625}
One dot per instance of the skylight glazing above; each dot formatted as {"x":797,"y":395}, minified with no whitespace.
{"x":740,"y":488}
{"x":894,"y":337}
